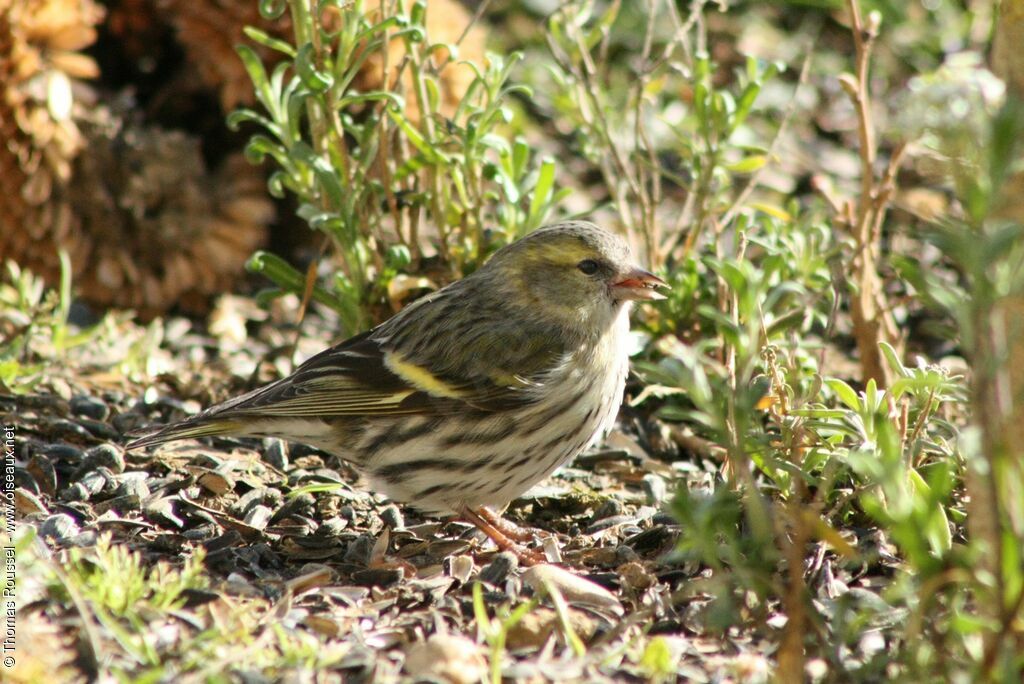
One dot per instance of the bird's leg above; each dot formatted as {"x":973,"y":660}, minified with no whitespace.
{"x":504,"y":541}
{"x":507,"y":527}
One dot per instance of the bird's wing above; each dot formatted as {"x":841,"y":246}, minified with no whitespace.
{"x":426,"y":360}
{"x":375,"y":374}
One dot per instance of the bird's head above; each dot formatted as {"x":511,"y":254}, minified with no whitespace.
{"x":572,"y":273}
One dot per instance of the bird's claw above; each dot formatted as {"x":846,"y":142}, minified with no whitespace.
{"x":506,"y":535}
{"x":509,"y":528}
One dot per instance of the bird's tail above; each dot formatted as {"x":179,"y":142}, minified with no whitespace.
{"x":197,"y":426}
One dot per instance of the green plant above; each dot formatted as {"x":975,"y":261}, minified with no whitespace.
{"x":121,"y":593}
{"x":35,"y":326}
{"x":988,"y":248}
{"x":803,"y":456}
{"x":804,"y":468}
{"x":38,"y":341}
{"x":384,"y":174}
{"x":808,"y":458}
{"x":114,"y":579}
{"x":629,"y":122}
{"x":495,"y":630}
{"x":34,"y":322}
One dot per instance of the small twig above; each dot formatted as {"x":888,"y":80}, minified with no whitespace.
{"x":589,"y":78}
{"x":863,"y":41}
{"x":885,"y":189}
{"x":648,"y":201}
{"x":686,"y":439}
{"x":823,"y":186}
{"x":790,"y":655}
{"x":474,"y":20}
{"x":922,"y":420}
{"x":872,"y":322}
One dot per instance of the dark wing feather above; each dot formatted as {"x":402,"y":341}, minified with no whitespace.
{"x":388,"y":372}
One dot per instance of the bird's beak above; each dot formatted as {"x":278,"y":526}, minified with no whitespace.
{"x":638,"y":284}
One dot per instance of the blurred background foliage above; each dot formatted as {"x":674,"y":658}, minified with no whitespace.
{"x":828,"y":186}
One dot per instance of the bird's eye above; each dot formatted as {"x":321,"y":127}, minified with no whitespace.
{"x":588,"y":266}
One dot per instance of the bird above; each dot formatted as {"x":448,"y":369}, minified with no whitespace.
{"x":470,"y":395}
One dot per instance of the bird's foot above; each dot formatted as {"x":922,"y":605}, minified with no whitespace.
{"x":506,"y":535}
{"x":509,"y":528}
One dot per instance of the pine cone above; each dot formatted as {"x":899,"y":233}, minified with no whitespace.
{"x":39,"y":60}
{"x":144,"y":222}
{"x":210,"y":30}
{"x":156,"y":228}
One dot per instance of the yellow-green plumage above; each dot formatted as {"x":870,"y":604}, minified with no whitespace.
{"x":472,"y":394}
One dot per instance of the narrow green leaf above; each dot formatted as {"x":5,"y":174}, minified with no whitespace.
{"x":747,"y":164}
{"x":393,"y":99}
{"x":539,"y":202}
{"x":416,"y":138}
{"x":937,"y":525}
{"x":744,"y":105}
{"x":254,"y":67}
{"x":265,"y":39}
{"x":894,"y":361}
{"x":844,"y":392}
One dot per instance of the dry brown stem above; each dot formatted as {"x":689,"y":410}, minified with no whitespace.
{"x":863,"y":216}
